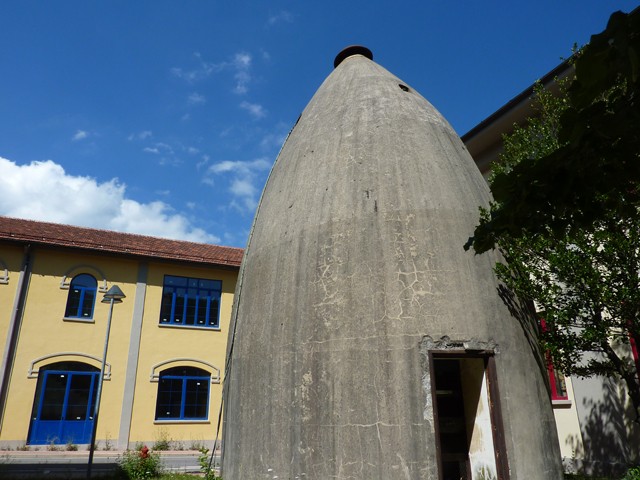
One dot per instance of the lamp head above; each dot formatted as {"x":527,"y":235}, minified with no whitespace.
{"x":115,"y":294}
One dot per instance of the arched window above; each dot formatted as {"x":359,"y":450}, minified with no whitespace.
{"x":183,"y":394}
{"x":82,"y":297}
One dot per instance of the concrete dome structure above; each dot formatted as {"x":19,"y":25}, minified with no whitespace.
{"x":367,"y":344}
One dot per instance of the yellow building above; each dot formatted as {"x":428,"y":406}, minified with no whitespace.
{"x":167,"y":341}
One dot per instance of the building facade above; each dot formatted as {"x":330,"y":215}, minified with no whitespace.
{"x":166,"y":349}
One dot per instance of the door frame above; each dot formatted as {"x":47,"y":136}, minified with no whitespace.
{"x":495,"y":410}
{"x":33,"y":438}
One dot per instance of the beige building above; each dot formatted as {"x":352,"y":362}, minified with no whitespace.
{"x":167,"y":342}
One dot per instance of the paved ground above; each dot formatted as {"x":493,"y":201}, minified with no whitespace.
{"x":63,"y":464}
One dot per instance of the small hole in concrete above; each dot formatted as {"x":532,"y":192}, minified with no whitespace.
{"x":404,"y":88}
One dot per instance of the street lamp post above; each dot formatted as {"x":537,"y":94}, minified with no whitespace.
{"x":113,"y":296}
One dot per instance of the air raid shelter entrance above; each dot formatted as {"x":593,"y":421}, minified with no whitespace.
{"x":467,"y":419}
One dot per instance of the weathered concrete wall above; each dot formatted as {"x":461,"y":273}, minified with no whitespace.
{"x":355,"y":256}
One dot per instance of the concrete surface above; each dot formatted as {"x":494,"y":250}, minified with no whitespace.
{"x":354,"y":272}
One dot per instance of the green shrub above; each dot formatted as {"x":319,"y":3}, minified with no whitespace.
{"x":203,"y":460}
{"x":632,"y":474}
{"x":140,"y":464}
{"x":163,"y":442}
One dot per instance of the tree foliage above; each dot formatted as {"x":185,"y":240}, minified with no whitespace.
{"x":596,"y":167}
{"x":566,"y":210}
{"x":587,"y":288}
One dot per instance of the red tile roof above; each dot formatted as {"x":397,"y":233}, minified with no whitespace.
{"x":42,"y":233}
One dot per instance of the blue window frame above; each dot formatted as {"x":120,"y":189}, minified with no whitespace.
{"x":82,"y":297}
{"x":64,"y":403}
{"x":183,"y":394}
{"x":190,"y":302}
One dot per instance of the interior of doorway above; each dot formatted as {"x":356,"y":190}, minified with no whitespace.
{"x":468,"y":421}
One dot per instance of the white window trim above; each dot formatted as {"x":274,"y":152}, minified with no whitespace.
{"x":78,"y":269}
{"x":4,"y":278}
{"x":180,"y":362}
{"x":35,"y":370}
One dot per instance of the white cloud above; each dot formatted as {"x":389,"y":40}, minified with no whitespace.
{"x":279,"y":17}
{"x":240,"y":166}
{"x":140,"y":136}
{"x":203,"y":161}
{"x":79,"y":135}
{"x":165,"y":147}
{"x":201,"y":71}
{"x":42,"y":190}
{"x":275,"y":139}
{"x":242,"y":60}
{"x":244,"y":182}
{"x":255,"y":110}
{"x":240,"y":65}
{"x":196,"y":99}
{"x":159,"y":148}
{"x":166,"y":153}
{"x":171,"y":160}
{"x":242,"y":187}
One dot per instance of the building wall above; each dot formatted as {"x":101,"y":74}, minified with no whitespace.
{"x":11,"y":261}
{"x":192,"y":345}
{"x":567,"y":423}
{"x":610,"y":436}
{"x":44,"y":332}
{"x":136,"y":342}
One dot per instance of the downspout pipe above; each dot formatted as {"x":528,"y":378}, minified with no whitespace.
{"x":8,"y":356}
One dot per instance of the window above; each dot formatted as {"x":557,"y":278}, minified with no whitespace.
{"x":82,"y":297}
{"x":556,"y":378}
{"x":190,"y":302}
{"x":634,"y":351}
{"x":183,"y":394}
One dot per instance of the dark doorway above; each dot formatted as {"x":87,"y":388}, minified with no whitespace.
{"x":452,"y":430}
{"x":468,"y":421}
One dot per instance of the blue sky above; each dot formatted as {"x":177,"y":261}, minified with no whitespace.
{"x":164,"y":117}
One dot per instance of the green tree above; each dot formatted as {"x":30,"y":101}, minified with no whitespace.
{"x":596,"y":167}
{"x":584,"y":277}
